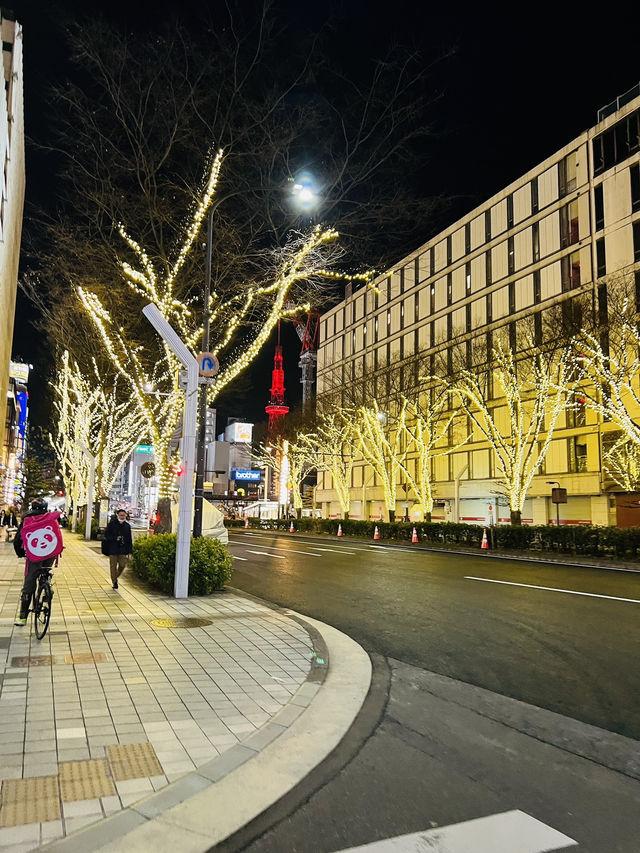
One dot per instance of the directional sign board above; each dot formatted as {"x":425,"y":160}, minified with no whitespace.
{"x":207,"y":364}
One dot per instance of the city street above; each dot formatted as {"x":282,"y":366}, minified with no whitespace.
{"x":562,"y":638}
{"x":430,"y":750}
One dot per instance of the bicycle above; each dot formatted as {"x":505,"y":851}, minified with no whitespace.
{"x":42,"y":602}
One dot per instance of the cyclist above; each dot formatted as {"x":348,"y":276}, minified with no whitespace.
{"x":38,"y":507}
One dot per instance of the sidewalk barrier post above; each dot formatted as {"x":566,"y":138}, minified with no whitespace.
{"x":339,"y":530}
{"x":376,"y":533}
{"x":414,"y":536}
{"x":291,"y":528}
{"x":246,"y":523}
{"x":485,"y":541}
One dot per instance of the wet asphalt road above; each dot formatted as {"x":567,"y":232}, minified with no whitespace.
{"x":576,"y":654}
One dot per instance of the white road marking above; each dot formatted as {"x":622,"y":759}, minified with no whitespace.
{"x":331,"y":550}
{"x":266,"y":554}
{"x":554,"y":589}
{"x":509,"y":832}
{"x":235,"y":557}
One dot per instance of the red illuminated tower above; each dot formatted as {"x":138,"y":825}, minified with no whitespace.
{"x":277,"y":408}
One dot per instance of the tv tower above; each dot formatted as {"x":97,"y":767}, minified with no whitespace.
{"x":277,"y":408}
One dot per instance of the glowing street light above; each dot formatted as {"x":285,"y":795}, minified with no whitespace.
{"x":304,"y":192}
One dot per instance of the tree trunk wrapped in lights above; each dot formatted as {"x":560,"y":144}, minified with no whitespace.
{"x":293,"y":459}
{"x":381,"y":439}
{"x":89,"y":415}
{"x":241,"y":321}
{"x":609,"y":365}
{"x":530,"y":391}
{"x":332,"y":446}
{"x":621,"y":462}
{"x":426,"y":428}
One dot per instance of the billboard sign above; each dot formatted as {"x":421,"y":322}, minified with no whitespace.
{"x":19,"y":371}
{"x":238,"y":432}
{"x":246,"y":476}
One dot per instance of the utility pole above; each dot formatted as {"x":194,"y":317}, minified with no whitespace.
{"x":200,"y":463}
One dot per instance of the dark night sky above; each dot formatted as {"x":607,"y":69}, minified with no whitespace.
{"x":512,"y":92}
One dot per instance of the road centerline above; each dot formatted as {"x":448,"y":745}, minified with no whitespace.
{"x":554,"y":589}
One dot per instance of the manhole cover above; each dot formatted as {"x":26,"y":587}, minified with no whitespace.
{"x":181,"y":622}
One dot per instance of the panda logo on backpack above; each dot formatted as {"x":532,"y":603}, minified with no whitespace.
{"x":42,"y":537}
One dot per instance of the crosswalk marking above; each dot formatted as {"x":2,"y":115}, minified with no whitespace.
{"x":554,"y":589}
{"x":509,"y":832}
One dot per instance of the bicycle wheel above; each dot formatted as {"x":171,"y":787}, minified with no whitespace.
{"x":42,"y":609}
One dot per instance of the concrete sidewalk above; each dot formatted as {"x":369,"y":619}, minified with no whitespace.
{"x":145,"y":723}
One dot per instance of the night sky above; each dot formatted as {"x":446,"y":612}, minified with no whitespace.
{"x":514,"y":88}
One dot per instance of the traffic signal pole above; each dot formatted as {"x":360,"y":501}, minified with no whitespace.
{"x":202,"y":449}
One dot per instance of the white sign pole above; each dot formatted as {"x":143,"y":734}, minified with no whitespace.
{"x":183,"y":545}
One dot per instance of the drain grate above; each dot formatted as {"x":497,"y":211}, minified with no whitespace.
{"x":181,"y":622}
{"x":133,"y":760}
{"x":31,"y":800}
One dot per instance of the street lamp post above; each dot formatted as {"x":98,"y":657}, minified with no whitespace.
{"x":557,"y":503}
{"x":202,"y":431}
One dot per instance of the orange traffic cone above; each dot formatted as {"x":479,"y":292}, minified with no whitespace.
{"x":485,"y":541}
{"x":339,"y":530}
{"x":291,"y":528}
{"x":414,"y":536}
{"x":246,"y":523}
{"x":376,"y":534}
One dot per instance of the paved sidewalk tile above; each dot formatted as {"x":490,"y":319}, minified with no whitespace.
{"x":110,"y":708}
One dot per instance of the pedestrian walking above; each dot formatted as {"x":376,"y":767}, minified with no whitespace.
{"x":8,"y":522}
{"x":119,"y":544}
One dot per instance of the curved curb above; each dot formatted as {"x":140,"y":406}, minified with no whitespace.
{"x":206,"y":806}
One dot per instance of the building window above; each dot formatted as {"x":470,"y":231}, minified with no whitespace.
{"x":570,"y":271}
{"x":449,"y":326}
{"x":537,"y":328}
{"x":601,"y":258}
{"x":416,"y":309}
{"x":469,"y":354}
{"x":617,"y":143}
{"x":637,"y":283}
{"x":513,"y":343}
{"x":402,"y":280}
{"x":487,"y":259}
{"x":489,"y":308}
{"x":449,"y":254}
{"x":512,"y":298}
{"x":432,"y":261}
{"x":511,"y":256}
{"x":467,"y":278}
{"x":449,"y":289}
{"x":535,"y":241}
{"x":534,"y":195}
{"x":468,"y":317}
{"x":388,"y":322}
{"x":537,"y":293}
{"x":634,"y":175}
{"x":569,"y":225}
{"x":598,"y":203}
{"x":567,"y":174}
{"x":402,"y":315}
{"x":389,"y":289}
{"x":509,"y":211}
{"x":636,"y":241}
{"x":577,"y":455}
{"x":487,"y":226}
{"x":467,"y":238}
{"x":375,"y":328}
{"x":432,"y":299}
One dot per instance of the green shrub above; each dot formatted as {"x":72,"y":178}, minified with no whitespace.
{"x":154,"y":560}
{"x":95,"y":527}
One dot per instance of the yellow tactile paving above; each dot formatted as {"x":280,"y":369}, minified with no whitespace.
{"x":132,"y":761}
{"x":85,"y":780}
{"x":31,"y":800}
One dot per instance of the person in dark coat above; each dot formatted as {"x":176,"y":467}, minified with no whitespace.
{"x":38,"y":507}
{"x":120,"y":544}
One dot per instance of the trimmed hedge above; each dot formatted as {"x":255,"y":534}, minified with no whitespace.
{"x":154,"y":561}
{"x":566,"y":539}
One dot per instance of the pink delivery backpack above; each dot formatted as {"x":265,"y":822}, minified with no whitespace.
{"x":42,"y":537}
